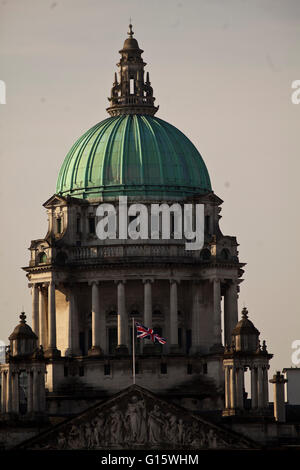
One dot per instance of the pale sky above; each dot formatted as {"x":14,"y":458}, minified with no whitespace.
{"x":221,"y":73}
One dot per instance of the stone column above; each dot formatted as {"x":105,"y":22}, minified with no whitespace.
{"x":15,"y":392}
{"x":122,"y":346}
{"x":254,"y":402}
{"x":96,"y":320}
{"x":217,"y":315}
{"x":42,"y":319}
{"x":36,"y":404}
{"x":196,"y":317}
{"x":3,"y":392}
{"x":260,"y":387}
{"x":279,"y":404}
{"x":29,"y":392}
{"x":230,"y":311}
{"x":147,"y":342}
{"x":232,"y":387}
{"x":8,"y":392}
{"x":72,"y":341}
{"x":42,"y":394}
{"x":173,"y":315}
{"x":227,"y":388}
{"x":240,"y":387}
{"x":52,"y":350}
{"x":35,"y":309}
{"x":266,"y":387}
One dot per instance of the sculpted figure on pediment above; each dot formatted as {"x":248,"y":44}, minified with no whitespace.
{"x":155,"y":425}
{"x":135,"y":420}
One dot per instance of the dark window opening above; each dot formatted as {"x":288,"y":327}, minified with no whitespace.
{"x":92,"y":225}
{"x":163,"y":368}
{"x":137,"y":368}
{"x":188,"y":342}
{"x":82,"y":342}
{"x":66,"y":371}
{"x":81,"y":371}
{"x":78,"y":225}
{"x":89,"y":339}
{"x":189,"y":369}
{"x":205,"y":254}
{"x":207,"y":224}
{"x":43,"y":258}
{"x":106,"y":369}
{"x":205,"y":368}
{"x":224,"y":254}
{"x":58,"y":225}
{"x":180,"y":337}
{"x":112,"y":339}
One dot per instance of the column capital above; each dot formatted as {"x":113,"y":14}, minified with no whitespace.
{"x":173,"y":280}
{"x":148,"y":280}
{"x":120,"y":281}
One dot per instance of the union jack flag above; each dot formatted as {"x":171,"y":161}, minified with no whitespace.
{"x":144,"y":332}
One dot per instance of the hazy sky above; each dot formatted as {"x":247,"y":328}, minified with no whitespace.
{"x":221,"y":72}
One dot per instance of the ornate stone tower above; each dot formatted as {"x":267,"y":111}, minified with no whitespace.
{"x":243,"y":353}
{"x":23,"y":376}
{"x":131,"y":94}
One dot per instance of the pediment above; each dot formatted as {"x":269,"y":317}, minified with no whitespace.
{"x":136,"y":419}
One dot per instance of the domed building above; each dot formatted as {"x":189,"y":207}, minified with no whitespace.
{"x":91,"y":289}
{"x":86,"y":290}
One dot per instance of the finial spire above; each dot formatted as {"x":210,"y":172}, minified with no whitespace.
{"x":22,"y":317}
{"x":130,"y":32}
{"x":245,"y":313}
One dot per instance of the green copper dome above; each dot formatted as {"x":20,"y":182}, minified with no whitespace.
{"x":133,"y":155}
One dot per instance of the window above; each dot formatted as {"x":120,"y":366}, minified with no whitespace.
{"x":131,"y":83}
{"x":81,"y":371}
{"x":163,"y":368}
{"x":188,"y":342}
{"x":207,"y":224}
{"x":205,"y":368}
{"x":179,"y":337}
{"x":82,"y":342}
{"x":66,"y":371}
{"x":106,"y":369}
{"x":92,"y":225}
{"x":58,"y":225}
{"x":43,"y":258}
{"x":89,"y":339}
{"x":205,"y":254}
{"x":112,"y":339}
{"x":189,"y":369}
{"x":224,"y":254}
{"x":78,"y":225}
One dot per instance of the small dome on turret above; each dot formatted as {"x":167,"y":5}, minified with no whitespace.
{"x":131,"y":42}
{"x":23,"y":341}
{"x":245,"y":335}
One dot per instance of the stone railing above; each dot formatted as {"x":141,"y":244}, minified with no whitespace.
{"x":128,"y":251}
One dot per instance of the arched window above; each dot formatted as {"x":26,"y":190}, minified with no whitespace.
{"x":42,"y":257}
{"x":224,"y":255}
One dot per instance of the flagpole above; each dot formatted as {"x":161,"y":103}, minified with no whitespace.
{"x":133,"y":351}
